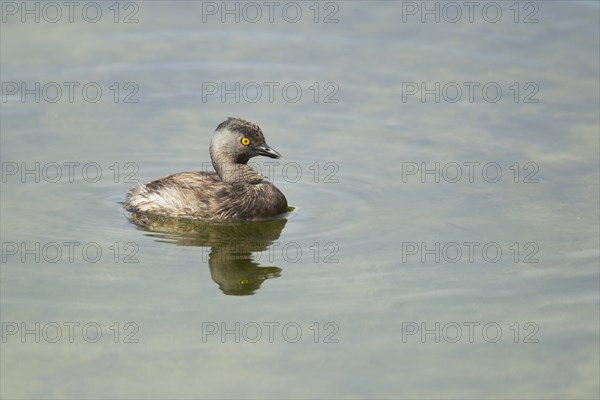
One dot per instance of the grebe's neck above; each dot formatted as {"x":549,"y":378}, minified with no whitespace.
{"x":231,"y":172}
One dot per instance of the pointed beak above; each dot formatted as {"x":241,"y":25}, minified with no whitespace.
{"x":265,"y":150}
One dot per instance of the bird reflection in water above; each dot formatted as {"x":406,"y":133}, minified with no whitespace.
{"x":232,"y":265}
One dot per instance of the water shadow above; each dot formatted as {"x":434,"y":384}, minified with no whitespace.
{"x":233,"y":266}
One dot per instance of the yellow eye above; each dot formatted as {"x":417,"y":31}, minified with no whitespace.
{"x":244,"y":281}
{"x":245,"y":141}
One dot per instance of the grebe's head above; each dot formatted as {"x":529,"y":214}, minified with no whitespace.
{"x":237,"y":141}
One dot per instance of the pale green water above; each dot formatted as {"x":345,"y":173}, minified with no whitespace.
{"x":363,"y":223}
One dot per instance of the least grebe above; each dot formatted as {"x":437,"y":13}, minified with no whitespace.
{"x":234,"y":192}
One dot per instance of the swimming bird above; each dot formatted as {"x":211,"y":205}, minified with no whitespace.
{"x":235,"y":191}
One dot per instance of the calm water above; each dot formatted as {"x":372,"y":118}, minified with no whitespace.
{"x":444,"y":241}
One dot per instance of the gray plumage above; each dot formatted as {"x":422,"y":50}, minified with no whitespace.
{"x":234,"y":192}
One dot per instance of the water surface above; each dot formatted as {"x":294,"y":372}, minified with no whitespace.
{"x":385,"y":281}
